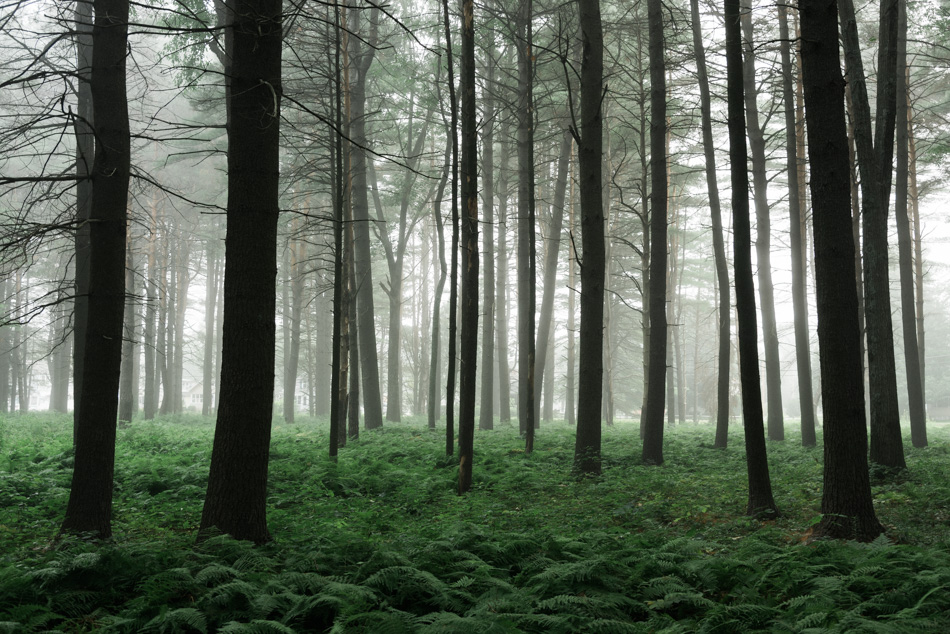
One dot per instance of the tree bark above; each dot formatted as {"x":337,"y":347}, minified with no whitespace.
{"x":150,"y":344}
{"x":915,"y":388}
{"x":129,"y":350}
{"x":453,"y":278}
{"x":435,"y":403}
{"x":211,"y":294}
{"x":847,"y":507}
{"x":89,"y":509}
{"x":763,"y":239}
{"x":501,"y":287}
{"x":570,"y":412}
{"x":653,"y":427}
{"x":796,"y":212}
{"x":761,"y":502}
{"x":875,"y":158}
{"x":468,"y":352}
{"x":235,"y":502}
{"x":486,"y":418}
{"x":589,"y":140}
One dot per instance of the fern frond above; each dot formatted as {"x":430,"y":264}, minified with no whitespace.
{"x":257,"y":626}
{"x":180,"y":621}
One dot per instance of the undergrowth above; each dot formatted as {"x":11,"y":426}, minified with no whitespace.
{"x":379,"y":542}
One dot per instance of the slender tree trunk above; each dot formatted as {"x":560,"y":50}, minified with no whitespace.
{"x":453,"y":279}
{"x":150,"y":398}
{"x":570,"y":388}
{"x":236,"y":498}
{"x":211,"y":294}
{"x":552,"y":250}
{"x":796,"y":213}
{"x":339,"y":348}
{"x":875,"y":162}
{"x":501,"y":287}
{"x":298,"y":255}
{"x":763,"y":240}
{"x":653,"y":427}
{"x":918,"y":255}
{"x":719,"y":249}
{"x":486,"y":418}
{"x":761,"y":502}
{"x":6,"y":353}
{"x":129,"y":360}
{"x":590,"y":182}
{"x":89,"y":509}
{"x":846,"y":505}
{"x":469,"y":192}
{"x":915,"y":388}
{"x":439,"y":237}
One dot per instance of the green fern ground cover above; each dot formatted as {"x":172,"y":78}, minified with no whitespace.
{"x":379,"y":542}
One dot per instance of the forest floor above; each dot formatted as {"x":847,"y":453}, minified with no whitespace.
{"x":380,"y":542}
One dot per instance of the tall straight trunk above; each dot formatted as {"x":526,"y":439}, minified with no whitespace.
{"x":875,"y":162}
{"x":434,"y":408}
{"x":501,"y":287}
{"x":918,"y":254}
{"x":165,"y":343}
{"x":719,"y":249}
{"x":761,"y":502}
{"x":526,"y":227}
{"x":552,"y":251}
{"x":129,"y":349}
{"x":236,"y":497}
{"x":89,"y":509}
{"x":645,"y":249}
{"x":339,"y":348}
{"x":795,"y":211}
{"x":150,"y":344}
{"x":298,"y":255}
{"x":569,"y":388}
{"x":486,"y":417}
{"x":85,"y":155}
{"x":856,"y":237}
{"x":181,"y":306}
{"x":915,"y":388}
{"x":453,"y":278}
{"x":846,"y":505}
{"x":211,"y":294}
{"x":590,"y":182}
{"x":469,"y":193}
{"x":362,"y":51}
{"x":763,"y":239}
{"x":353,"y":343}
{"x":547,"y":413}
{"x":5,"y":353}
{"x":59,"y":350}
{"x":653,"y":427}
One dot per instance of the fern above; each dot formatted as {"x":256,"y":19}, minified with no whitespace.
{"x":179,"y":621}
{"x":257,"y":626}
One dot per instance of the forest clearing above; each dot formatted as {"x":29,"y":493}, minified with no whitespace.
{"x":379,"y":541}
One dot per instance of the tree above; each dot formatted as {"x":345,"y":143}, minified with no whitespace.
{"x":593,"y":266}
{"x":846,"y":505}
{"x":760,"y":486}
{"x":486,"y":413}
{"x":469,"y":192}
{"x":653,"y":425}
{"x":90,"y":496}
{"x":875,"y":162}
{"x":719,"y":249}
{"x":237,"y":485}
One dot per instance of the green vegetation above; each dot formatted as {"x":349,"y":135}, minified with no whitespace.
{"x":379,"y":542}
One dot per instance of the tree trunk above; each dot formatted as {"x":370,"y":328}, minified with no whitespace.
{"x":501,"y":287}
{"x":89,"y":509}
{"x":5,"y":354}
{"x":236,"y":498}
{"x":653,"y":427}
{"x":150,"y":398}
{"x":211,"y":294}
{"x":918,"y":256}
{"x":846,"y":505}
{"x":526,"y":227}
{"x":593,"y":266}
{"x":181,"y":305}
{"x":915,"y":388}
{"x":469,"y":193}
{"x":761,"y":502}
{"x":85,"y":154}
{"x":763,"y":240}
{"x":486,"y":417}
{"x":129,"y":360}
{"x":570,"y":413}
{"x":875,"y":165}
{"x":552,"y":251}
{"x":719,"y":249}
{"x":796,"y":213}
{"x":453,"y":279}
{"x":361,"y":59}
{"x":298,"y":255}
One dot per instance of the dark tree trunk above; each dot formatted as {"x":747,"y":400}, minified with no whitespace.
{"x":501,"y":288}
{"x":486,"y":418}
{"x":150,"y":397}
{"x":211,"y":294}
{"x":795,"y":210}
{"x":453,"y":279}
{"x":127,"y":392}
{"x":298,"y":256}
{"x":526,"y":227}
{"x":848,"y":511}
{"x":361,"y":58}
{"x":351,"y":403}
{"x":469,"y":193}
{"x":915,"y":388}
{"x":763,"y":239}
{"x":85,"y":154}
{"x":593,"y":266}
{"x":761,"y":502}
{"x":236,"y":498}
{"x":90,"y":497}
{"x":875,"y":162}
{"x":552,"y":251}
{"x":653,"y":427}
{"x":918,"y":256}
{"x":434,"y":400}
{"x":339,"y":342}
{"x":570,"y":412}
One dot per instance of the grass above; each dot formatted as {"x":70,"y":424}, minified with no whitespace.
{"x":380,"y":542}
